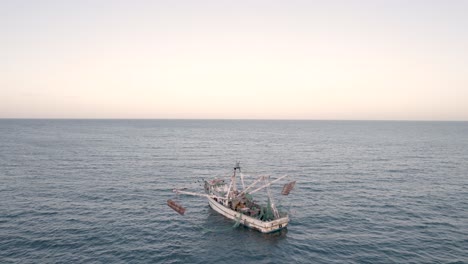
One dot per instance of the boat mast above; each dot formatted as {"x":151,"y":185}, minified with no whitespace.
{"x":234,"y":179}
{"x":232,"y":185}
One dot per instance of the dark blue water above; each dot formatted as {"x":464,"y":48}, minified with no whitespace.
{"x":366,"y":192}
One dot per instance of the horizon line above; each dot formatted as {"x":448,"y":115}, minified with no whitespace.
{"x":230,"y":119}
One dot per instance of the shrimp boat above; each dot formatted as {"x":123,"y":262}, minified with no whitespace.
{"x":239,"y":205}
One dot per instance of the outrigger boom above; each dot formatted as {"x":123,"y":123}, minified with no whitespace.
{"x":268,"y":184}
{"x":197,"y":194}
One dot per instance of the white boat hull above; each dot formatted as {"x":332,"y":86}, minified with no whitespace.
{"x":262,"y":226}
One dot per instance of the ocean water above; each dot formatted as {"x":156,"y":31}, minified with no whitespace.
{"x":81,"y":191}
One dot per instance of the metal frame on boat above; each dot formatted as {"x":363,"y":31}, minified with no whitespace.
{"x":239,"y":205}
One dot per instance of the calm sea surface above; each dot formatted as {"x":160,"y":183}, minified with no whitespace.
{"x":74,"y":191}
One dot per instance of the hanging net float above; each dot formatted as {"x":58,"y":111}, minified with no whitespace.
{"x":176,"y":207}
{"x":288,"y":187}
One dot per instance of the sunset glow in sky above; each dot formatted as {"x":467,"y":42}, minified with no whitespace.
{"x":399,"y":60}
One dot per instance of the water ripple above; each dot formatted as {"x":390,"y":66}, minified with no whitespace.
{"x":85,"y":191}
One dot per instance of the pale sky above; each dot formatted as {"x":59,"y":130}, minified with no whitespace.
{"x":384,"y":60}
